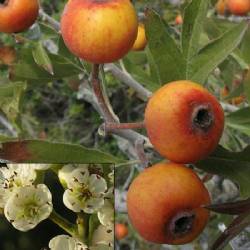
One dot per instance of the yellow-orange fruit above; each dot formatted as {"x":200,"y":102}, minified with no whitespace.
{"x":165,"y":204}
{"x":221,"y":7}
{"x":224,"y":92}
{"x":178,"y":20}
{"x":7,"y":55}
{"x":17,"y":15}
{"x":99,"y":31}
{"x":184,"y":121}
{"x":141,"y":40}
{"x":121,"y":231}
{"x":239,"y":7}
{"x":238,"y":100}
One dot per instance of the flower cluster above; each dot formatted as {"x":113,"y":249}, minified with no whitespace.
{"x":25,"y":203}
{"x":88,"y":192}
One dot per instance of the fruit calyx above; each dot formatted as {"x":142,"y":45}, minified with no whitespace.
{"x":202,"y":117}
{"x":181,"y":224}
{"x":4,"y":2}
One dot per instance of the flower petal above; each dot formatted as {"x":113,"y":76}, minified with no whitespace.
{"x":97,"y":184}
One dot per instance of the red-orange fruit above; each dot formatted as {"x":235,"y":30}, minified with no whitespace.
{"x":99,"y":31}
{"x":165,"y":204}
{"x":7,"y":55}
{"x":184,"y":121}
{"x":121,"y":231}
{"x":221,"y":7}
{"x":178,"y":19}
{"x":17,"y":15}
{"x":239,"y":7}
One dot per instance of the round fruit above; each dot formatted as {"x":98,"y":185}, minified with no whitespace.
{"x":99,"y":31}
{"x":165,"y":204}
{"x":221,"y":7}
{"x":17,"y":15}
{"x":121,"y":231}
{"x":178,"y":20}
{"x":184,"y":121}
{"x":7,"y":55}
{"x":141,"y":41}
{"x":239,"y":7}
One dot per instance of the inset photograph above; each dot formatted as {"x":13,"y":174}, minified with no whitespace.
{"x":57,"y":207}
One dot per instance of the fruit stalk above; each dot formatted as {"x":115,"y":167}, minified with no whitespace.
{"x":108,"y":116}
{"x":109,"y":127}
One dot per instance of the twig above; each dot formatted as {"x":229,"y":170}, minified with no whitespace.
{"x":8,"y":126}
{"x":108,"y":116}
{"x":139,"y":147}
{"x":234,"y":19}
{"x":109,"y":127}
{"x":55,"y":24}
{"x":130,"y":135}
{"x":228,"y":107}
{"x":127,"y":134}
{"x":128,"y":80}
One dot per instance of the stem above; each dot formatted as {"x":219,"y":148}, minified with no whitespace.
{"x":67,"y":226}
{"x":128,"y":163}
{"x":55,"y":24}
{"x":139,"y":147}
{"x":108,"y":117}
{"x":125,"y":77}
{"x":207,"y":178}
{"x":109,"y":127}
{"x":82,"y":226}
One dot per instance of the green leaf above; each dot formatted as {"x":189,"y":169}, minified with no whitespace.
{"x":10,"y":95}
{"x":245,"y":48}
{"x":34,"y":151}
{"x":42,"y":59}
{"x":246,"y":85}
{"x":47,"y":31}
{"x":231,"y":165}
{"x":194,"y":16}
{"x":29,"y":71}
{"x":239,"y":120}
{"x":215,"y":27}
{"x":239,"y":58}
{"x":63,"y":50}
{"x":140,"y":75}
{"x":167,"y":56}
{"x":214,"y":53}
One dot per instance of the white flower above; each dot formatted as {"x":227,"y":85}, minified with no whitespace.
{"x":106,"y":214}
{"x":64,"y":174}
{"x":103,"y":235}
{"x":65,"y":242}
{"x":28,"y":206}
{"x":14,"y":176}
{"x":18,"y":175}
{"x":85,"y":191}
